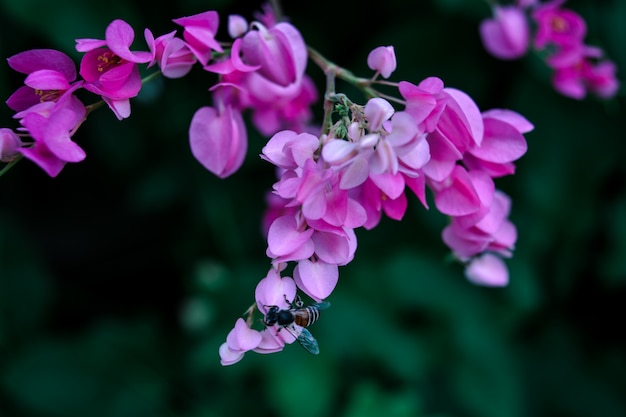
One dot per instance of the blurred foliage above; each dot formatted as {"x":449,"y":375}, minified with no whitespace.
{"x":121,"y":277}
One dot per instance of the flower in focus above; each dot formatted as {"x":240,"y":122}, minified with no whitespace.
{"x":199,"y":34}
{"x":50,"y":74}
{"x":171,"y":54}
{"x":239,"y":340}
{"x":110,"y":69}
{"x":52,"y":125}
{"x":382,"y":60}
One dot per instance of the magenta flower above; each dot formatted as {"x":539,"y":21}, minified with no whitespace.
{"x":10,"y":143}
{"x":488,"y":270}
{"x":171,"y":54}
{"x":382,"y":60}
{"x":274,"y":290}
{"x":506,"y":35}
{"x":316,"y":278}
{"x":279,"y":51}
{"x":199,"y":33}
{"x":237,"y":25}
{"x":289,"y":240}
{"x":218,"y":139}
{"x":558,"y":26}
{"x":586,"y":75}
{"x":50,"y":75}
{"x":52,"y":130}
{"x":239,"y":340}
{"x":110,"y":69}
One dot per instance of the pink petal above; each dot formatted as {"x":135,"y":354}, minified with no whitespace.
{"x":43,"y":59}
{"x":316,"y":279}
{"x":120,"y":36}
{"x":274,"y":290}
{"x":459,"y":197}
{"x":501,"y":143}
{"x":47,"y":80}
{"x":383,"y":60}
{"x":332,"y":248}
{"x":243,"y":338}
{"x":513,"y":118}
{"x":466,"y":111}
{"x":488,"y":270}
{"x":284,"y":236}
{"x":229,"y":356}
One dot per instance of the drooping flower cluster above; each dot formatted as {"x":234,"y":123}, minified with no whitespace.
{"x":331,"y":180}
{"x":361,"y":166}
{"x":559,"y":34}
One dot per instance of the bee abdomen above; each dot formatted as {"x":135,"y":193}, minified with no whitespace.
{"x":306,"y":316}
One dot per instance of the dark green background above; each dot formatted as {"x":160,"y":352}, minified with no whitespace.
{"x":120,"y":278}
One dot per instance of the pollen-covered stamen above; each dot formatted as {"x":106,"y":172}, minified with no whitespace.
{"x":108,"y":60}
{"x":48,"y":95}
{"x":560,"y":25}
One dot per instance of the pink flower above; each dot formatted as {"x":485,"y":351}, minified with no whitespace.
{"x":199,"y":33}
{"x":280,"y":52}
{"x":110,"y":69}
{"x":316,"y":278}
{"x":10,"y":143}
{"x":171,"y":54}
{"x":237,"y":25}
{"x":506,"y":35}
{"x":425,"y":101}
{"x":586,"y":75}
{"x":218,"y":139}
{"x":382,"y":60}
{"x":50,"y":74}
{"x":557,"y":26}
{"x":239,"y":340}
{"x":289,"y":240}
{"x":488,"y":270}
{"x":52,"y":130}
{"x":274,"y":290}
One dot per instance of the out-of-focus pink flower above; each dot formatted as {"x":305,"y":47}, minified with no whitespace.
{"x":506,"y":35}
{"x":382,"y":60}
{"x":9,"y":145}
{"x":50,"y":75}
{"x":199,"y":33}
{"x":237,"y":25}
{"x":171,"y":54}
{"x":488,"y":270}
{"x":218,"y":139}
{"x":557,"y":26}
{"x":586,"y":76}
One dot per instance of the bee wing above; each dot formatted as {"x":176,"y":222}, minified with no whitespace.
{"x":322,"y":306}
{"x":308,"y":342}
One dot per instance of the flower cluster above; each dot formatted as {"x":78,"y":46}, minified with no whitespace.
{"x":332,"y":179}
{"x":362,"y":166}
{"x":557,"y":32}
{"x":262,"y":70}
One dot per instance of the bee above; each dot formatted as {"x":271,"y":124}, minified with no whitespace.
{"x":297,"y":315}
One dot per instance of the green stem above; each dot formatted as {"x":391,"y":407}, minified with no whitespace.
{"x":363,"y":84}
{"x":10,"y":164}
